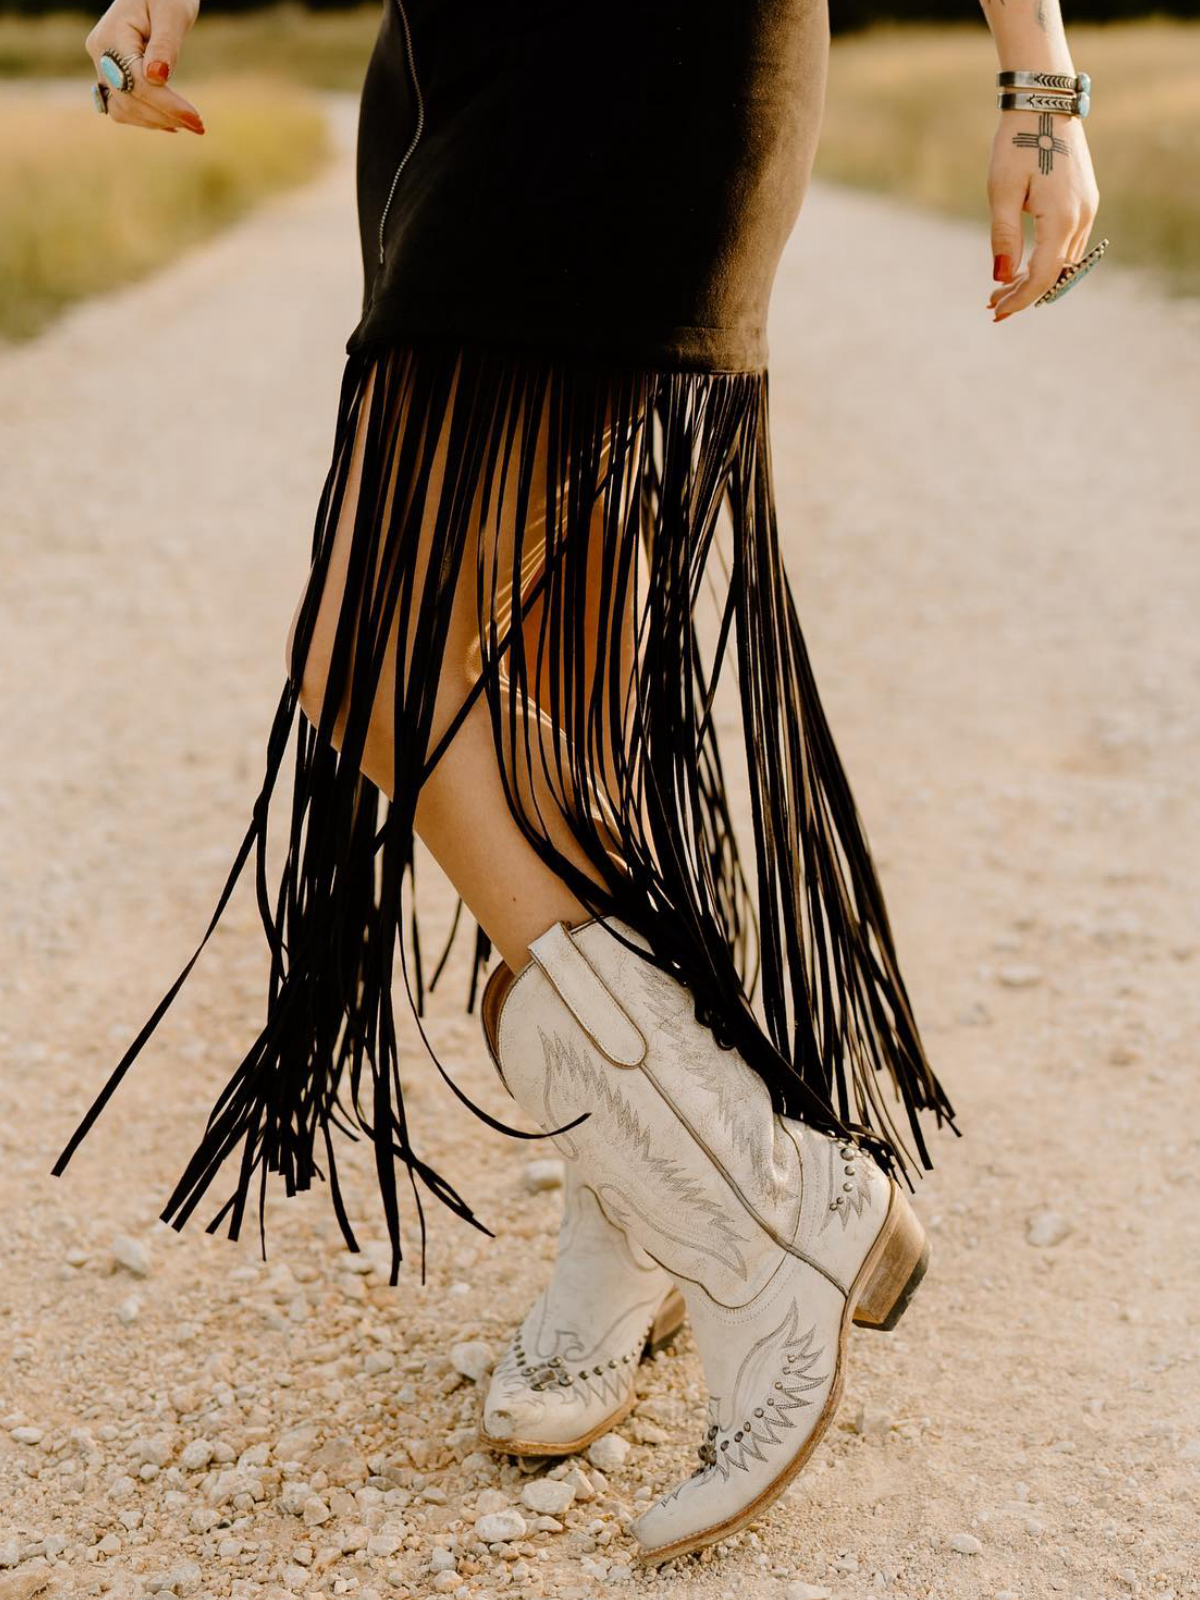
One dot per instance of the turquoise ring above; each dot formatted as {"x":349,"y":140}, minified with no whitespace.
{"x":1071,"y":274}
{"x":117,"y":70}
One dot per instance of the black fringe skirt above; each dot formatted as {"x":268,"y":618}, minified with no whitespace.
{"x":617,"y":515}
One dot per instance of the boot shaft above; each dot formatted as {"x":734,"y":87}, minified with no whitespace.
{"x":680,"y":1141}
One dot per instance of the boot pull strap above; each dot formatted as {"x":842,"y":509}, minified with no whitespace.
{"x":588,"y":998}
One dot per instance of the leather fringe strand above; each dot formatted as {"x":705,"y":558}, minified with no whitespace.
{"x":588,"y":501}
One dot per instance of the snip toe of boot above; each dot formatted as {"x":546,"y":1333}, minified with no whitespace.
{"x":501,"y":1422}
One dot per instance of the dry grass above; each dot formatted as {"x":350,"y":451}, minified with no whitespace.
{"x":89,"y":205}
{"x":911,"y":112}
{"x":326,"y":49}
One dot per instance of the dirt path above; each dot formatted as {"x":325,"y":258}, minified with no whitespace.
{"x":992,"y":537}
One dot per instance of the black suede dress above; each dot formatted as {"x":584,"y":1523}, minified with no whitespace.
{"x":616,"y":180}
{"x":555,"y":405}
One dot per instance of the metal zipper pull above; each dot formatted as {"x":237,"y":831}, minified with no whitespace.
{"x":417,"y":131}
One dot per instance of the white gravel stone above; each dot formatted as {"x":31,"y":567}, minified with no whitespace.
{"x":577,"y":1478}
{"x":648,"y":1432}
{"x":296,"y":1444}
{"x":500,"y":1527}
{"x":965,"y":1543}
{"x":547,"y":1497}
{"x":442,"y":1561}
{"x":27,"y":1435}
{"x":156,"y":1448}
{"x":130,"y":1309}
{"x":186,"y":1578}
{"x":196,"y":1455}
{"x":293,"y":1496}
{"x":472,"y":1358}
{"x":1047,"y":1228}
{"x":131,"y":1254}
{"x":446,"y":1582}
{"x":491,"y":1500}
{"x":356,"y":1261}
{"x":872,"y":1422}
{"x":10,"y":1553}
{"x":1019,"y":975}
{"x":384,"y":1544}
{"x":341,"y":1462}
{"x":315,"y":1511}
{"x":608,"y":1452}
{"x":546,"y":1174}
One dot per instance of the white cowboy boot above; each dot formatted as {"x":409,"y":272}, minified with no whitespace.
{"x":779,"y":1237}
{"x":568,"y":1374}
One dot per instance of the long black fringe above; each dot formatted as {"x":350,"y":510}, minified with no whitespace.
{"x":652,"y":464}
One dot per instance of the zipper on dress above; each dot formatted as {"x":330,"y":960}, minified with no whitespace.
{"x":417,"y":131}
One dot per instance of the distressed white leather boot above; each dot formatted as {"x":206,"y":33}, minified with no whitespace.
{"x":569,"y":1373}
{"x":779,"y":1237}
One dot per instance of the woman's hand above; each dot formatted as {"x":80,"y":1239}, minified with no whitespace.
{"x":151,"y":32}
{"x":1040,"y":164}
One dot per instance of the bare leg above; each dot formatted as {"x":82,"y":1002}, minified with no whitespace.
{"x":463,"y":815}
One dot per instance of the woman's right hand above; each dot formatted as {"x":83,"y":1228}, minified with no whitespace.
{"x":151,"y":32}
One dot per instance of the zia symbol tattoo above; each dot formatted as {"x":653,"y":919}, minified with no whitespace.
{"x":1045,"y":142}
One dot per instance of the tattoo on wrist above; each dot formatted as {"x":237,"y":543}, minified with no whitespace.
{"x":1040,"y":17}
{"x":1045,"y":141}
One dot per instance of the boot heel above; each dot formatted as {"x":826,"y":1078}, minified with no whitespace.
{"x":894,"y":1269}
{"x":666,"y":1324}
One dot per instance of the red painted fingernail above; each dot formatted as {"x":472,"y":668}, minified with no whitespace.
{"x":1002,"y":268}
{"x":192,"y":121}
{"x":160,"y":71}
{"x":1000,"y":316}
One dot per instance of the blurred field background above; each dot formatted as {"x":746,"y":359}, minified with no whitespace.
{"x":89,"y":206}
{"x":325,"y":49}
{"x":910,"y":112}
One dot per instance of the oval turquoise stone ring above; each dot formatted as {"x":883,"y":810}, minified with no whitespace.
{"x":115,"y":71}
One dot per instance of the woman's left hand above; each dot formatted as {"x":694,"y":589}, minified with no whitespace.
{"x":1040,"y":164}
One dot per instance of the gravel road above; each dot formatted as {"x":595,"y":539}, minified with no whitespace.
{"x":992,"y":536}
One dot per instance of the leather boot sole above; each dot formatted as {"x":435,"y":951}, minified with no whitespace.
{"x":667,"y":1323}
{"x":886,"y":1282}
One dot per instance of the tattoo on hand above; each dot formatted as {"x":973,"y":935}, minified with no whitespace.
{"x":1045,"y":142}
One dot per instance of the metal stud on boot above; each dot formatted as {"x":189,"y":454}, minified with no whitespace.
{"x":779,"y":1237}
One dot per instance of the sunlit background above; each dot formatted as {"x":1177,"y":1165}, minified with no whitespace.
{"x":87,"y":206}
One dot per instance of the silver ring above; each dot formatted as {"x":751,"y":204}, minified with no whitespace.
{"x":100,"y":94}
{"x":1071,"y":274}
{"x":117,"y":70}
